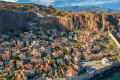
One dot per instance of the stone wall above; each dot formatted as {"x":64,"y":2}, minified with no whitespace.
{"x":114,"y":39}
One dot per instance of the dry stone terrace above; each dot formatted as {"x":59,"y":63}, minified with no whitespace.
{"x":49,"y":53}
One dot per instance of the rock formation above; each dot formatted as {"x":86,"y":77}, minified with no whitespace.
{"x":17,"y":18}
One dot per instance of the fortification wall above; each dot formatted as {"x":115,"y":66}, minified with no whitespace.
{"x":114,"y":39}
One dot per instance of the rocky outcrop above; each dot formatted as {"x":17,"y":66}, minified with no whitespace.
{"x":91,"y":21}
{"x":10,"y":20}
{"x":17,"y":18}
{"x":96,"y":22}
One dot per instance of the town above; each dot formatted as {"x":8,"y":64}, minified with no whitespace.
{"x":49,"y":53}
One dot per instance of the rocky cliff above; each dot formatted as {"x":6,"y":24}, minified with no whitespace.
{"x":16,"y":18}
{"x":14,"y":21}
{"x":87,"y":20}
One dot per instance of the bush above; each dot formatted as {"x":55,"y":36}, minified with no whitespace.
{"x":74,"y":41}
{"x":82,"y":57}
{"x":15,"y":57}
{"x":99,"y":58}
{"x":57,"y":13}
{"x":13,"y":78}
{"x":67,"y":32}
{"x":50,"y":6}
{"x":118,"y":57}
{"x":62,"y":63}
{"x":35,"y":69}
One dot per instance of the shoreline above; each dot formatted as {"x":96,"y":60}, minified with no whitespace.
{"x":89,"y":76}
{"x":113,"y":68}
{"x":102,"y":71}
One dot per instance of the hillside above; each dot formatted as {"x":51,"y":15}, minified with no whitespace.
{"x":89,"y":8}
{"x":16,"y":16}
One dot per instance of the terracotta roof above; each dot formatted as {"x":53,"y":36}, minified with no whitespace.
{"x":47,"y":65}
{"x":21,"y":54}
{"x":6,"y":69}
{"x":19,"y":77}
{"x":37,"y":54}
{"x":105,"y":58}
{"x":88,"y":56}
{"x":72,"y":70}
{"x":24,"y":76}
{"x":5,"y":54}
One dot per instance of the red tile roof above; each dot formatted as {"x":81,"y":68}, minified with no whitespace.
{"x":72,"y":70}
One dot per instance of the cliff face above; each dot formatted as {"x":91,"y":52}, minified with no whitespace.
{"x":10,"y":21}
{"x":89,"y":21}
{"x":96,"y":22}
{"x":17,"y":18}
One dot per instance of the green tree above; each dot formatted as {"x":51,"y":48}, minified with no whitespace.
{"x":62,"y":63}
{"x":15,"y":58}
{"x":46,"y":71}
{"x":82,"y":57}
{"x":59,"y":68}
{"x":118,"y":57}
{"x":67,"y":32}
{"x":96,"y":43}
{"x":13,"y":78}
{"x":35,"y":69}
{"x":8,"y":77}
{"x":68,"y":52}
{"x":50,"y":62}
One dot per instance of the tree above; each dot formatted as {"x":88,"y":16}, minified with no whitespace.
{"x":8,"y":77}
{"x":96,"y":43}
{"x":60,"y":67}
{"x":35,"y":69}
{"x":118,"y":57}
{"x":62,"y":63}
{"x":50,"y":62}
{"x":68,"y":52}
{"x":82,"y":56}
{"x":67,"y":32}
{"x":15,"y":58}
{"x":13,"y":78}
{"x":46,"y":71}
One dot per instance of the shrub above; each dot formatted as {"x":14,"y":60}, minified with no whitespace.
{"x":118,"y":57}
{"x":49,"y":6}
{"x":99,"y":58}
{"x":57,"y":13}
{"x":15,"y":57}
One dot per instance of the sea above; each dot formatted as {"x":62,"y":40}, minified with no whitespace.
{"x":110,"y":75}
